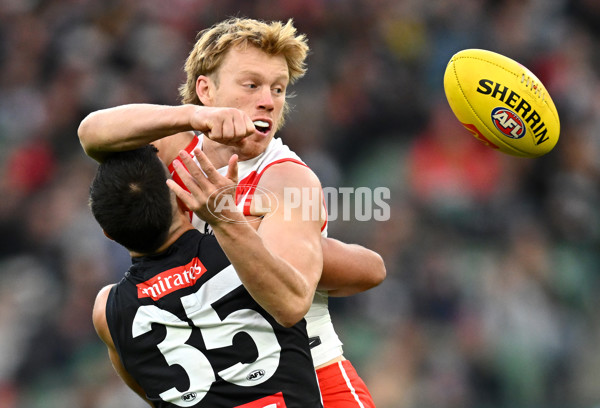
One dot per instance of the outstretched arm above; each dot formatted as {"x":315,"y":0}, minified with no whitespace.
{"x":349,"y":268}
{"x":128,"y":127}
{"x":131,"y":126}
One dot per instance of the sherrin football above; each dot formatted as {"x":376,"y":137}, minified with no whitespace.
{"x":501,"y":103}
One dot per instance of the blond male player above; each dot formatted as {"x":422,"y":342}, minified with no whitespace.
{"x":235,"y":95}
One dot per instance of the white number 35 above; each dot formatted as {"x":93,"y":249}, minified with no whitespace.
{"x":216,"y":333}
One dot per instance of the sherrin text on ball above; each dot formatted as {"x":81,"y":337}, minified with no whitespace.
{"x":502,"y":103}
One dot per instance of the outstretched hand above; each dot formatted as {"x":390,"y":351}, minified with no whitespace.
{"x":210,"y":195}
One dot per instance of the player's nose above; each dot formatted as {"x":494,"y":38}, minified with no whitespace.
{"x":265,"y":99}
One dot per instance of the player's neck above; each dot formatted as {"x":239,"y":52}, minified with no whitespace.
{"x":177,"y":230}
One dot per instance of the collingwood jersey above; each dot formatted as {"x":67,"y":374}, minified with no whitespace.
{"x":324,"y":341}
{"x":191,"y":335}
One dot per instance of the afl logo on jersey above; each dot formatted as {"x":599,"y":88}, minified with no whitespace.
{"x":508,"y":122}
{"x":255,"y":375}
{"x":188,"y":396}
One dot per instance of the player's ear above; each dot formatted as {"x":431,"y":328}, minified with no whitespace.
{"x":204,"y":89}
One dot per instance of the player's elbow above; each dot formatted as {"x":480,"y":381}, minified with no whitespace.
{"x":373,"y":274}
{"x":377,"y":273}
{"x":86,"y":137}
{"x":287,"y":321}
{"x":83,"y":132}
{"x":293,"y":312}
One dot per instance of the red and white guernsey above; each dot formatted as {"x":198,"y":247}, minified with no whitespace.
{"x":324,"y":341}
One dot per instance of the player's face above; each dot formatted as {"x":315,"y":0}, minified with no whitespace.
{"x":254,"y":82}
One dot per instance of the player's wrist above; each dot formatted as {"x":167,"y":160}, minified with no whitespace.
{"x":226,"y":218}
{"x":234,"y":227}
{"x":196,"y":117}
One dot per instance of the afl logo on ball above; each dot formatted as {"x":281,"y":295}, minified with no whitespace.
{"x":508,"y":122}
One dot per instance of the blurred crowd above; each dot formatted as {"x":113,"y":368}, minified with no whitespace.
{"x":492,"y":261}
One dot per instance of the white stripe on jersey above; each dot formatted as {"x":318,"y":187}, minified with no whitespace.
{"x":349,"y":384}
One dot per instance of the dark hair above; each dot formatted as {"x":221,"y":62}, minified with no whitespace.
{"x":131,"y":201}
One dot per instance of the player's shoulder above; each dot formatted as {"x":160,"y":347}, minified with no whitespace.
{"x":99,"y":312}
{"x":289,"y":173}
{"x":169,"y":147}
{"x":102,"y":296}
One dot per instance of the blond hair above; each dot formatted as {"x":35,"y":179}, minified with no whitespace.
{"x":274,"y":38}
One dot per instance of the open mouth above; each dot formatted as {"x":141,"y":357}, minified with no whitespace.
{"x":262,"y":126}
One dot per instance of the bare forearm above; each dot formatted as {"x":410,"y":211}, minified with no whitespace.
{"x":276,"y":285}
{"x":349,"y":268}
{"x":280,"y":264}
{"x":131,"y":126}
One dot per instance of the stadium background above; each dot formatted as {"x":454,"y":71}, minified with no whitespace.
{"x":491,"y":298}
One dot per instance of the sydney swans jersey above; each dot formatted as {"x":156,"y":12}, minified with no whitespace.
{"x":324,"y":341}
{"x":191,"y":335}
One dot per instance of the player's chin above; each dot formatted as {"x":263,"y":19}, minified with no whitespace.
{"x":260,"y":138}
{"x":253,"y":146}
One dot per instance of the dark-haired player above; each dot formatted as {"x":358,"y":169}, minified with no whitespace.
{"x":183,"y":328}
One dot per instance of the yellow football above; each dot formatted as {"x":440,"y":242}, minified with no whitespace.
{"x":501,"y":103}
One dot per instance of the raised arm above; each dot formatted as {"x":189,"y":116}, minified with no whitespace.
{"x":349,"y":268}
{"x":131,"y":126}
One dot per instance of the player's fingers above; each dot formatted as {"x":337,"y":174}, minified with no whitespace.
{"x":184,"y":196}
{"x":239,"y":126}
{"x":241,"y":122}
{"x":207,"y":167}
{"x":232,"y":169}
{"x":229,"y":126}
{"x":245,"y":126}
{"x":234,"y":126}
{"x":190,"y":173}
{"x":229,"y":129}
{"x":216,"y":129}
{"x":249,"y":125}
{"x":191,"y":166}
